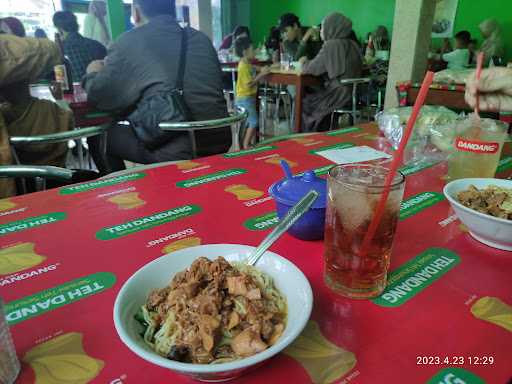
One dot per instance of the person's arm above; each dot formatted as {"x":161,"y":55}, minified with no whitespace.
{"x":494,"y":90}
{"x":116,"y":86}
{"x":26,"y":59}
{"x":263,"y":72}
{"x":315,"y":67}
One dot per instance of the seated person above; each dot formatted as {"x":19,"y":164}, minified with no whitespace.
{"x":338,"y":59}
{"x":229,"y":40}
{"x":80,"y":50}
{"x":247,"y":86}
{"x":459,"y":57}
{"x":24,"y":60}
{"x":299,"y":41}
{"x":493,"y":46}
{"x":137,"y":79}
{"x":273,"y":43}
{"x":377,"y":41}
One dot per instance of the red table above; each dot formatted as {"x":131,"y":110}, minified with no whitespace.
{"x":60,"y":280}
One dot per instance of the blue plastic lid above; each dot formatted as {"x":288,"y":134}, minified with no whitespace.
{"x":291,"y":189}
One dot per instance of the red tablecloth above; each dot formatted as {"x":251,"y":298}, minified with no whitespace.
{"x":64,"y":254}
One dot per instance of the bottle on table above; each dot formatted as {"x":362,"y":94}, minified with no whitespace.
{"x":62,"y":71}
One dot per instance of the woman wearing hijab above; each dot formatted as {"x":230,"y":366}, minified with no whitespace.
{"x":95,"y":25}
{"x":339,"y":58}
{"x":493,"y":44}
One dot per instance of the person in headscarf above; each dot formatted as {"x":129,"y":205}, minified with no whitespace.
{"x":339,"y":58}
{"x":12,"y":26}
{"x":493,"y":45}
{"x":95,"y":23}
{"x":378,"y":41}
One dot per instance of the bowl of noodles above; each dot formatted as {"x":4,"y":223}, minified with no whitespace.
{"x":484,"y":205}
{"x":203,"y":313}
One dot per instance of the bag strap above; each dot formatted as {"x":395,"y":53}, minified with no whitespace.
{"x":183,"y":59}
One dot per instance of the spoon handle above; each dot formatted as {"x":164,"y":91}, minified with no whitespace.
{"x":291,"y":217}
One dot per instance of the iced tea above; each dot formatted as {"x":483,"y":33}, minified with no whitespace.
{"x":476,"y":149}
{"x":353,"y":195}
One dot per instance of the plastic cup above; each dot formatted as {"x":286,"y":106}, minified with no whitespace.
{"x":354,"y":192}
{"x":476,"y":149}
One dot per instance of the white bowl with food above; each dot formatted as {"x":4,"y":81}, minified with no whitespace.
{"x":485,"y":207}
{"x":212,"y":319}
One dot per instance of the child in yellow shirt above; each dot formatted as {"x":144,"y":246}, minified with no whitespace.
{"x":247,"y":86}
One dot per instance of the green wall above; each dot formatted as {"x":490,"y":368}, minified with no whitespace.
{"x":472,"y":12}
{"x":367,"y":14}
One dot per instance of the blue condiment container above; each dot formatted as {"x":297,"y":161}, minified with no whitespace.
{"x":288,"y":191}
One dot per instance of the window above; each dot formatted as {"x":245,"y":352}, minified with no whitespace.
{"x":32,"y":13}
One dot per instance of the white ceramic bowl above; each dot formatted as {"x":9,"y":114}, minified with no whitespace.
{"x":290,"y":281}
{"x":490,"y":230}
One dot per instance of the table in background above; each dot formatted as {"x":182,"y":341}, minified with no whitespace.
{"x":66,"y":253}
{"x":300,"y":81}
{"x":448,"y":95}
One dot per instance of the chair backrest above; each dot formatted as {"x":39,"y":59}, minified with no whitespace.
{"x":39,"y":173}
{"x":236,"y":119}
{"x":61,"y":137}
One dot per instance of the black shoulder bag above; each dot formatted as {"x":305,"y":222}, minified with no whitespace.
{"x":166,"y":105}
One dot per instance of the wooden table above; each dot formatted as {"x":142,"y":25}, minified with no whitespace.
{"x":299,"y":81}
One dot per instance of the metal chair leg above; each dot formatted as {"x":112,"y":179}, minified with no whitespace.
{"x":80,"y":152}
{"x":332,"y":121}
{"x":40,"y":184}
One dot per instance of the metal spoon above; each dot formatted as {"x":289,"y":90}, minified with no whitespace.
{"x":291,"y":217}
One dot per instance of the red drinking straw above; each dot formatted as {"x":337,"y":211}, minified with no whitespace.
{"x":397,"y":160}
{"x":479,"y":65}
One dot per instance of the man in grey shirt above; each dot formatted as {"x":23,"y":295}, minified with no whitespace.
{"x":137,"y":77}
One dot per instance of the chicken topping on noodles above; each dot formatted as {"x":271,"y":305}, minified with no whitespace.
{"x":493,"y":200}
{"x":214,"y":312}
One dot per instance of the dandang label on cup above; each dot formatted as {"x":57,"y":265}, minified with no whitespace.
{"x":53,"y":298}
{"x":455,"y":375}
{"x":263,"y":222}
{"x":31,"y":222}
{"x":417,"y":274}
{"x":212,"y":177}
{"x":418,"y":203}
{"x":147,"y":222}
{"x":100,"y":183}
{"x":476,"y":146}
{"x":249,"y":151}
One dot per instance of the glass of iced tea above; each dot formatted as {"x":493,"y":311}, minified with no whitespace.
{"x":477,"y":148}
{"x":353,"y":194}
